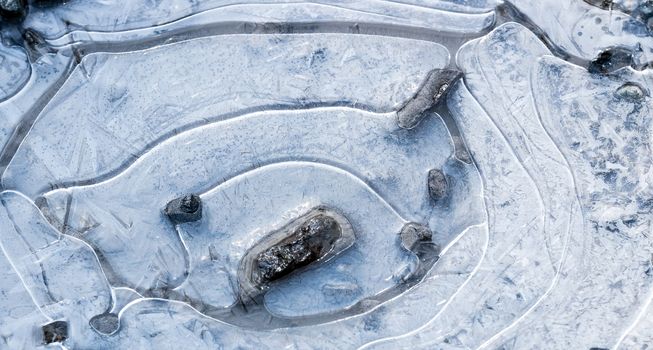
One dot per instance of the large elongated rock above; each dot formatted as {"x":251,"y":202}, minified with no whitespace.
{"x":318,"y":235}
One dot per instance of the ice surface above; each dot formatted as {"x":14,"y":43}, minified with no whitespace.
{"x":280,"y":71}
{"x":19,"y":316}
{"x":610,"y":160}
{"x":18,"y":109}
{"x":266,"y":110}
{"x":15,"y":70}
{"x":95,"y":20}
{"x":122,"y":216}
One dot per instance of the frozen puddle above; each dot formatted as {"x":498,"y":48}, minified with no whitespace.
{"x":443,"y":174}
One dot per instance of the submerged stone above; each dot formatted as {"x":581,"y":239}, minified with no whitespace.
{"x":316,"y":236}
{"x":106,"y":323}
{"x":185,"y":209}
{"x":437,"y":184}
{"x":631,"y":91}
{"x":436,"y":85}
{"x":414,"y":234}
{"x":306,"y":244}
{"x":55,"y":332}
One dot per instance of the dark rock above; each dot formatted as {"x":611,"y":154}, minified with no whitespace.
{"x":106,"y":323}
{"x":185,"y":209}
{"x":307,"y":244}
{"x":55,"y":332}
{"x":436,"y":85}
{"x":610,"y":60}
{"x":437,"y":184}
{"x":314,"y":237}
{"x":414,"y":234}
{"x":13,"y":9}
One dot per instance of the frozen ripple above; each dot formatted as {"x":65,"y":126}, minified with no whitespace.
{"x":20,"y":109}
{"x":122,"y":216}
{"x":142,"y":97}
{"x":111,"y":21}
{"x":60,"y":273}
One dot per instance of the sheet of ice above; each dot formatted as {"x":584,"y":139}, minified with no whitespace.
{"x":61,"y":274}
{"x":582,"y":30}
{"x":14,"y":70}
{"x":20,"y":318}
{"x":529,"y":195}
{"x":274,"y":194}
{"x":93,"y":20}
{"x":587,"y":146}
{"x":639,"y":335}
{"x":122,"y":216}
{"x":125,"y":103}
{"x":164,"y":324}
{"x":41,"y":77}
{"x":545,"y":235}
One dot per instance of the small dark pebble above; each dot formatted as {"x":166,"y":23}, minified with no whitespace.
{"x":310,"y":241}
{"x":412,"y":234}
{"x":106,"y":323}
{"x":55,"y":332}
{"x":185,"y":209}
